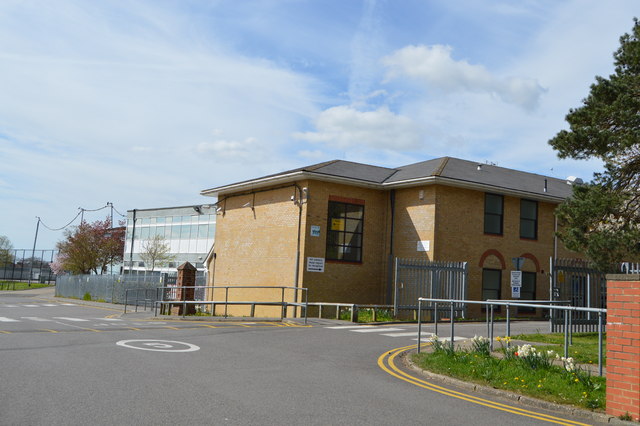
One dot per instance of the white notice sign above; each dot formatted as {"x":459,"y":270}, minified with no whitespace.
{"x":423,"y":245}
{"x":315,"y":231}
{"x":516,"y":278}
{"x":315,"y":264}
{"x":515,"y":292}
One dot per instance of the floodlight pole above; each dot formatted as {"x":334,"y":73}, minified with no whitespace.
{"x":33,"y":252}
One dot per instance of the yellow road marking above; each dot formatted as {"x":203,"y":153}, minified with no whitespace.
{"x":392,"y":369}
{"x":50,"y":331}
{"x":171,"y":328}
{"x":207,"y":325}
{"x":5,"y":332}
{"x":133,"y":328}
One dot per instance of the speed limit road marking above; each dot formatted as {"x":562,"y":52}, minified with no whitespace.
{"x":158,"y":345}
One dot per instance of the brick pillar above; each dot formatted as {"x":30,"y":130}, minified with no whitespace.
{"x":623,"y":345}
{"x":186,"y":278}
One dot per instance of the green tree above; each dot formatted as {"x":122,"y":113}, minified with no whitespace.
{"x":6,"y":251}
{"x":91,"y":247}
{"x":602,"y":219}
{"x":156,"y":252}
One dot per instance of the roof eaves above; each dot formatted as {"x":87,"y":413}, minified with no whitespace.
{"x":433,"y":180}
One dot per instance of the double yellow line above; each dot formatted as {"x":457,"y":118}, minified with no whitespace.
{"x":387,"y":361}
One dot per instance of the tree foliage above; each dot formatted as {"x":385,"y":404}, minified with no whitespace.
{"x":602,"y":219}
{"x":155,"y":252}
{"x":6,"y":251}
{"x":91,"y":247}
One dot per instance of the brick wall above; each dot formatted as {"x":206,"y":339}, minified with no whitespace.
{"x":623,"y":345}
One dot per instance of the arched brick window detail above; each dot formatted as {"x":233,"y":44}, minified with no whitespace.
{"x":533,"y":259}
{"x":495,"y":253}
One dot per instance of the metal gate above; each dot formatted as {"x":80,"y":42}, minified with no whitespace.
{"x":416,"y":278}
{"x":579,"y":283}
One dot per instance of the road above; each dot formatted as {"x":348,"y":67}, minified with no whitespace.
{"x":66,"y":363}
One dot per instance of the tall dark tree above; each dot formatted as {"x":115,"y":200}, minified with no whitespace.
{"x":602,"y":219}
{"x":91,"y":247}
{"x":6,"y":251}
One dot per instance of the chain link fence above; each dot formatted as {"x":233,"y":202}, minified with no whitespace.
{"x":112,"y":288}
{"x":27,"y":265}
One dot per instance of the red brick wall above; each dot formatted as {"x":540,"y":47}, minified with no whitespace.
{"x":623,"y":345}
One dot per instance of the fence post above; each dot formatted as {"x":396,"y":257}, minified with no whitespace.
{"x":419,"y":324}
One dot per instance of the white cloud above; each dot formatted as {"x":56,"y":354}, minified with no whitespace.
{"x":312,"y":154}
{"x":230,"y":149}
{"x":434,"y":66}
{"x":345,"y":127}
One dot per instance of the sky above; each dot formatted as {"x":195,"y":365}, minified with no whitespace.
{"x":143,"y":104}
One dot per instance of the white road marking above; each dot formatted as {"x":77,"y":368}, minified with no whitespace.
{"x":37,"y":319}
{"x":68,"y":304}
{"x":344,"y":327}
{"x":407,"y":334}
{"x":5,"y":319}
{"x":30,"y":306}
{"x":377,"y":330}
{"x":48,"y":304}
{"x":158,"y":345}
{"x":72,"y":319}
{"x":10,"y":306}
{"x":109,"y":319}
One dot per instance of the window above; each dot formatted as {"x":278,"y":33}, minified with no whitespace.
{"x":528,"y":219}
{"x":344,"y":231}
{"x":528,"y":290}
{"x":491,"y":284}
{"x":493,"y":208}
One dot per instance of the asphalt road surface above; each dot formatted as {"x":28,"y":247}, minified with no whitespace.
{"x":68,"y":363}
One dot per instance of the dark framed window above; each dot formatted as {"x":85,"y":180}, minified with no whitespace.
{"x":529,"y":219}
{"x":528,"y":290}
{"x":493,"y":212}
{"x":344,"y":231}
{"x":491,"y":284}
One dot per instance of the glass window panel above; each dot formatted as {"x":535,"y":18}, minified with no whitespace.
{"x":186,"y":219}
{"x":354,"y":211}
{"x":194,"y":232}
{"x":160,"y":231}
{"x":353,"y":240}
{"x":144,"y":233}
{"x":336,"y":210}
{"x":493,"y":204}
{"x":176,"y":219}
{"x":160,"y":220}
{"x":528,"y":209}
{"x":212,"y":230}
{"x":352,"y":225}
{"x":168,"y":220}
{"x":202,"y":231}
{"x":352,"y":255}
{"x":493,"y":224}
{"x":184,"y":232}
{"x":335,"y":238}
{"x":527,"y":229}
{"x":152,"y":220}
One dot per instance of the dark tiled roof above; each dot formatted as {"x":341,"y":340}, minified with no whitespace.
{"x":447,"y":168}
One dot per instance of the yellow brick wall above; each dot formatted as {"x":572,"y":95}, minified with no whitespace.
{"x":256,"y":247}
{"x":460,"y":237}
{"x":346,"y":282}
{"x":414,"y":221}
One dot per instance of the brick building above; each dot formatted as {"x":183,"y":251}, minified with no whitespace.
{"x":336,"y":227}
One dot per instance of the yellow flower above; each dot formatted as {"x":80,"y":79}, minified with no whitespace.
{"x":539,"y":386}
{"x":576,"y":380}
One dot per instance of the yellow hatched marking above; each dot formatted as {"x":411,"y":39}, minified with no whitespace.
{"x":171,"y":328}
{"x":208,"y":326}
{"x":386,"y":362}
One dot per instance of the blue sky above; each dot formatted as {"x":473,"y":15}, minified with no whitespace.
{"x":145,"y":103}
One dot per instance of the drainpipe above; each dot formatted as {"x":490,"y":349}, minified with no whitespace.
{"x":133,"y":235}
{"x":297,"y":269}
{"x":392,"y":197}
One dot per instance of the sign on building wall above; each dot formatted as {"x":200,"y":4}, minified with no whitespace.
{"x":315,"y":230}
{"x":424,"y":245}
{"x":516,"y":278}
{"x":337,"y":224}
{"x":515,"y":292}
{"x":315,"y":264}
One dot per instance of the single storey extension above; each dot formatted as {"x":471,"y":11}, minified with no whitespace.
{"x":336,"y":227}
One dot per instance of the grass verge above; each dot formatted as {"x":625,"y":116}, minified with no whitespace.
{"x":518,"y":371}
{"x":584,"y":348}
{"x":20,"y":285}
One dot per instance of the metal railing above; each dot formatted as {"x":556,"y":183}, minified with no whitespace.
{"x":161,"y":299}
{"x":354,"y":309}
{"x":490,"y":304}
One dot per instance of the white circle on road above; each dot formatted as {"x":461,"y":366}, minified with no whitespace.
{"x":158,"y":345}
